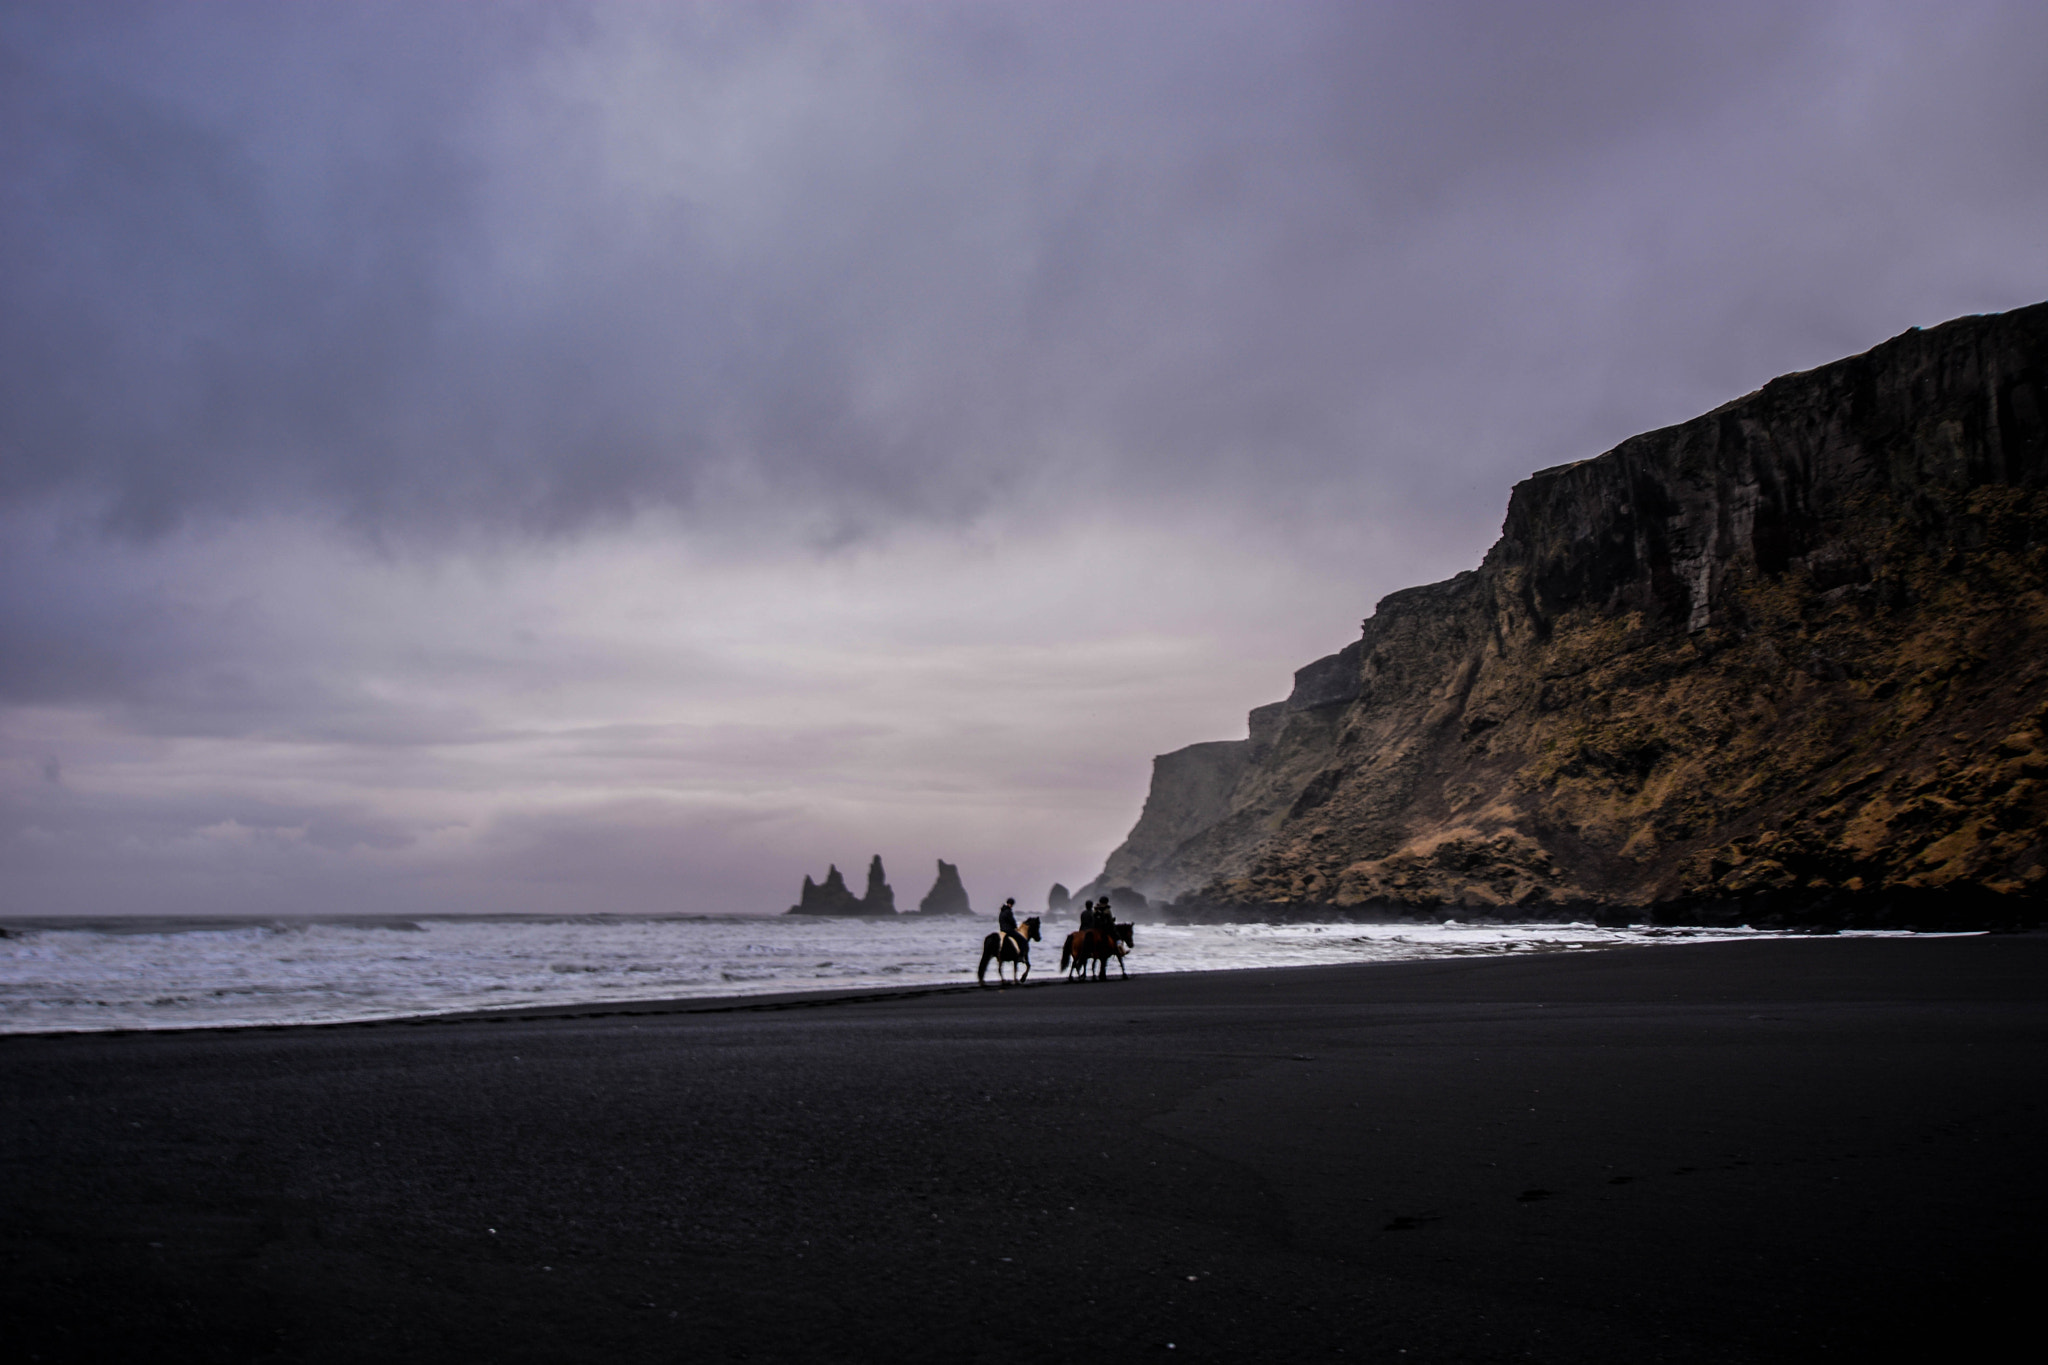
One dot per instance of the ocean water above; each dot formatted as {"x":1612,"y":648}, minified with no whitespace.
{"x":58,"y":976}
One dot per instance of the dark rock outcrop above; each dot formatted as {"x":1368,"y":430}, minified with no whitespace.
{"x":880,"y":899}
{"x":1058,"y":899}
{"x":834,"y":898}
{"x":1127,"y":902}
{"x":1788,"y":661}
{"x":947,"y":896}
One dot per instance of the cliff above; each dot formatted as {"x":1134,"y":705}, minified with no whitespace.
{"x":1783,"y":661}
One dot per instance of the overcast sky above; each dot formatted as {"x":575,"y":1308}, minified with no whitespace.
{"x":627,"y":456}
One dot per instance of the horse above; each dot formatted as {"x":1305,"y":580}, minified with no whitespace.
{"x":1093,"y":945}
{"x":1001,"y":948}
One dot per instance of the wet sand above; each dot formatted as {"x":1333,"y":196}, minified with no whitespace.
{"x":1790,"y":1150}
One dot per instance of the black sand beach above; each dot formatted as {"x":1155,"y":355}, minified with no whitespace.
{"x":1791,"y":1150}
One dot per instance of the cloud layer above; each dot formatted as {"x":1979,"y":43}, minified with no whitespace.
{"x":630,"y":454}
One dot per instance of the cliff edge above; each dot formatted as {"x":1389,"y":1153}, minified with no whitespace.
{"x":1788,"y":660}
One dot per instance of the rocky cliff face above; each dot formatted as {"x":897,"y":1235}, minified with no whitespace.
{"x":1788,"y":659}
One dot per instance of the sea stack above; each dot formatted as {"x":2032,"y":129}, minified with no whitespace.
{"x":832,"y":898}
{"x":947,"y":896}
{"x":1785,"y":663}
{"x":880,"y":899}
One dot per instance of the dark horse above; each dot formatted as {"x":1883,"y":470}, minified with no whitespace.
{"x":1084,"y":946}
{"x":1000,"y":948}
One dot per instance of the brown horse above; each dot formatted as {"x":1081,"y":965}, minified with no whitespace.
{"x":1084,"y":946}
{"x":1015,"y":948}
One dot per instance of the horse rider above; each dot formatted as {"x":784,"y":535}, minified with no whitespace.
{"x":1006,"y":918}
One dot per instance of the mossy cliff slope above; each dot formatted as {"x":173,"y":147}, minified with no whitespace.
{"x":1787,"y":659}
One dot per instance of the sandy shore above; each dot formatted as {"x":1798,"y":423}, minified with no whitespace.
{"x":1790,"y":1150}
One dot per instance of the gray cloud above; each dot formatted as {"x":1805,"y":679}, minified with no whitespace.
{"x":436,"y":266}
{"x":443,"y":441}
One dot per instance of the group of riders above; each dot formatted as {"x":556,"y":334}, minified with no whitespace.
{"x":1098,"y":939}
{"x":1095,"y":918}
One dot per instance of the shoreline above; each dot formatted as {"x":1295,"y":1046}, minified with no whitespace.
{"x":1786,"y":1149}
{"x":593,"y":1009}
{"x":828,"y":995}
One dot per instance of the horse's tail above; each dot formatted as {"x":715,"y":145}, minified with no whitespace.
{"x":1067,"y":953}
{"x":988,"y":950}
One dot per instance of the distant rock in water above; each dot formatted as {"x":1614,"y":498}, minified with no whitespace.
{"x":879,"y":900}
{"x":947,"y":896}
{"x":833,"y":898}
{"x":1786,"y":663}
{"x":830,"y":899}
{"x":1127,"y":902}
{"x":1058,"y":899}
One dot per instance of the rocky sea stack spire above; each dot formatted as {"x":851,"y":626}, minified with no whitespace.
{"x":834,"y":898}
{"x":880,"y":900}
{"x":1784,"y":663}
{"x":830,"y":899}
{"x":947,"y":896}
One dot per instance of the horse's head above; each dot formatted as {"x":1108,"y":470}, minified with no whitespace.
{"x":1031,"y":928}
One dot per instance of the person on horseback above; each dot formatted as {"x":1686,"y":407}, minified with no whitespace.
{"x":1010,"y":943}
{"x":1099,"y":939}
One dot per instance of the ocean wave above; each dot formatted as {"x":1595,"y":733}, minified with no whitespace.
{"x":136,"y":973}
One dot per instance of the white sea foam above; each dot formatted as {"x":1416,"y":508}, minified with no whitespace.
{"x":140,"y":974}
